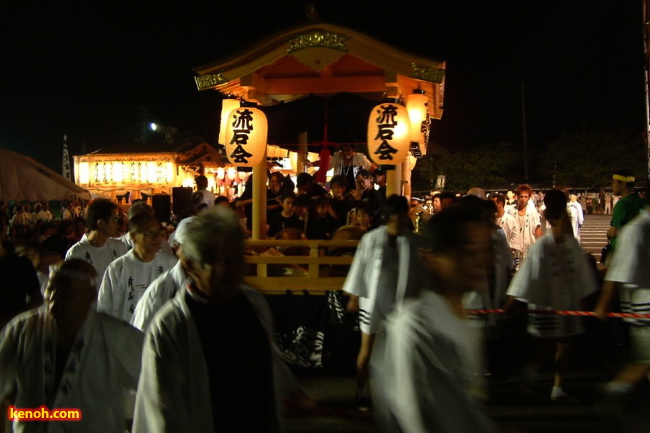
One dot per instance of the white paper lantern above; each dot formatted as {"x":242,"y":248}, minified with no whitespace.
{"x":389,"y":133}
{"x":416,"y":104}
{"x":246,"y":134}
{"x":227,"y":105}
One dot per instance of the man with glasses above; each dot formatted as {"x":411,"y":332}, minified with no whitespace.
{"x":127,"y":278}
{"x":98,"y":246}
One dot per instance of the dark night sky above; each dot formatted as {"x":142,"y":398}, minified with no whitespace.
{"x":86,"y":71}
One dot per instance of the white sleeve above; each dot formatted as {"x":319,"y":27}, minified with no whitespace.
{"x":9,"y":359}
{"x":524,"y":279}
{"x":110,"y":299}
{"x":626,"y":258}
{"x":355,"y":282}
{"x":151,"y":301}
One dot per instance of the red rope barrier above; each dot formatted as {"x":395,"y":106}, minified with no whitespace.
{"x":562,"y":313}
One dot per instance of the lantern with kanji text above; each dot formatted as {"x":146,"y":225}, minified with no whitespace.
{"x":389,"y":133}
{"x":246,"y":133}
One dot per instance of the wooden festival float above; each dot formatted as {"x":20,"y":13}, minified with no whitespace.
{"x":309,"y":89}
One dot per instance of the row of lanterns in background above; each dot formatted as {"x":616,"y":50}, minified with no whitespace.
{"x":393,"y":130}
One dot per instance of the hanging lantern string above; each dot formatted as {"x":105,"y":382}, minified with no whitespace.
{"x":481,"y":312}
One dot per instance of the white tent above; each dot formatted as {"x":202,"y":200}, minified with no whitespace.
{"x":22,"y":178}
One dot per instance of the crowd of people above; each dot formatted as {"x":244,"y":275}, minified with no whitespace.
{"x":133,"y":325}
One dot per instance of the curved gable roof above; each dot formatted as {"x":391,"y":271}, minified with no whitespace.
{"x":323,"y":58}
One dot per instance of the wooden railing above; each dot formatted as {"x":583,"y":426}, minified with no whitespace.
{"x":295,"y":266}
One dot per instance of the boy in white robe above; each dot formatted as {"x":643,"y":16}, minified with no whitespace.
{"x":98,"y":246}
{"x":554,"y":276}
{"x":203,"y":373}
{"x":426,"y":354}
{"x":67,"y":356}
{"x":127,"y":278}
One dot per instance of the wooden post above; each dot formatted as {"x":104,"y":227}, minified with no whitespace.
{"x":407,"y":188}
{"x":259,"y":200}
{"x":394,"y":180}
{"x":302,"y":153}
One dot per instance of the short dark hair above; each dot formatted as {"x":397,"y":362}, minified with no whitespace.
{"x":395,"y":205}
{"x":201,"y":181}
{"x":304,"y":179}
{"x":100,"y":209}
{"x":221,"y":199}
{"x":445,"y":230}
{"x":363,"y":173}
{"x":555,"y":202}
{"x":139,"y":206}
{"x":287,"y":194}
{"x":62,"y":276}
{"x":499,"y":198}
{"x":277,"y":174}
{"x":448,"y":194}
{"x":339,"y":180}
{"x":139,"y":221}
{"x":303,"y":200}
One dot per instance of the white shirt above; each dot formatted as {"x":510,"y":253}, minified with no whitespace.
{"x":203,"y":196}
{"x":103,"y":363}
{"x":161,"y":290}
{"x":530,"y":221}
{"x":126,"y":280}
{"x":99,"y":257}
{"x":510,"y":228}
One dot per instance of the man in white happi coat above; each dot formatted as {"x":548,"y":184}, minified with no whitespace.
{"x":127,"y":278}
{"x":210,"y":363}
{"x":578,"y":219}
{"x":508,"y":224}
{"x":629,"y":275}
{"x":554,"y":276}
{"x":67,"y":356}
{"x":163,"y":288}
{"x":426,"y":361}
{"x":98,"y":246}
{"x":528,"y":219}
{"x":384,"y":271}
